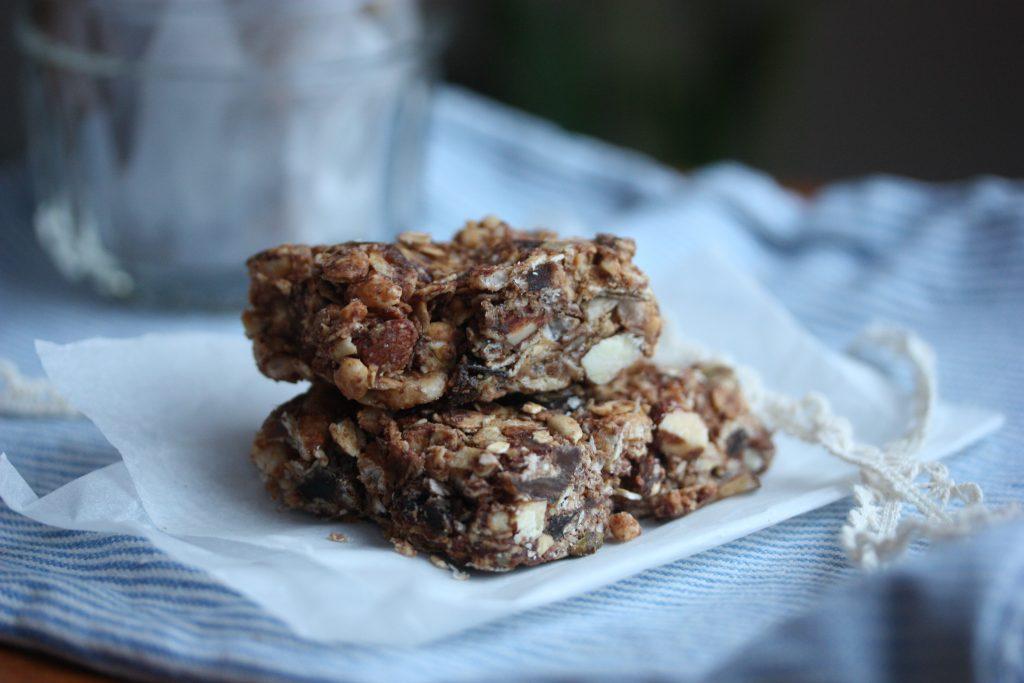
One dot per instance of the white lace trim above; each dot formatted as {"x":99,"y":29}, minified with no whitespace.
{"x":892,"y":479}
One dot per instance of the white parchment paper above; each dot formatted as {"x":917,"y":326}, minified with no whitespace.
{"x":182,"y":410}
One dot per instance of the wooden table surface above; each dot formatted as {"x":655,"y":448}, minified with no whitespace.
{"x":22,"y":666}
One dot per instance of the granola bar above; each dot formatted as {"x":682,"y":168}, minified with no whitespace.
{"x":707,"y":443}
{"x":491,"y":486}
{"x":497,"y":486}
{"x":493,"y":312}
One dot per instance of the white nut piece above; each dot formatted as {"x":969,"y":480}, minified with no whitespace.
{"x":347,"y":437}
{"x":542,"y":436}
{"x":681,"y":432}
{"x":415,"y":391}
{"x":740,"y":484}
{"x":610,"y":356}
{"x":403,"y":547}
{"x":431,"y":386}
{"x":489,"y":434}
{"x":753,"y":460}
{"x":485,"y":464}
{"x":521,"y":333}
{"x":544,"y":543}
{"x":490,"y":280}
{"x":540,"y":383}
{"x":464,"y":458}
{"x":343,"y":349}
{"x":498,"y":521}
{"x":530,"y":520}
{"x":531,"y":408}
{"x":353,"y":378}
{"x":413,"y":238}
{"x":498,"y":447}
{"x":566,"y":426}
{"x":600,"y":307}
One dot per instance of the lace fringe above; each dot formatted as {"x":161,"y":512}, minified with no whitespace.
{"x":892,"y":479}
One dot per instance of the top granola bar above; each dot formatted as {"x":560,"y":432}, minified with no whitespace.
{"x":493,"y":312}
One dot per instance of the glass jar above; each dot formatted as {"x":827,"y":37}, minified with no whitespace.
{"x":171,"y":139}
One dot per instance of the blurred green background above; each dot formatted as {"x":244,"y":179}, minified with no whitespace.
{"x":807,"y":90}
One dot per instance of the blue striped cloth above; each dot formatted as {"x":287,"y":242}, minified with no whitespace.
{"x":946,"y":260}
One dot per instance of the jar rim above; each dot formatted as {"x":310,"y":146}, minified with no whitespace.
{"x":36,"y":44}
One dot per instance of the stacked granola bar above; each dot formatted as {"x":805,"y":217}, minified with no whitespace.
{"x":488,"y":400}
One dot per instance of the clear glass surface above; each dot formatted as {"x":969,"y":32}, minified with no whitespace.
{"x":171,"y":139}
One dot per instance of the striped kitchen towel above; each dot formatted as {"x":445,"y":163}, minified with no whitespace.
{"x":945,"y":260}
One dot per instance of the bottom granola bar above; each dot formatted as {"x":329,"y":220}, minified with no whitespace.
{"x":491,"y":487}
{"x":497,"y":486}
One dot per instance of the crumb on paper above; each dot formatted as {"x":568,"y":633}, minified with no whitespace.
{"x":337,"y":537}
{"x":624,"y":527}
{"x":441,"y":563}
{"x":403,"y":547}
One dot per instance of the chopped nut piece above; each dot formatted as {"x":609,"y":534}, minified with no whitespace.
{"x":403,"y":547}
{"x":353,"y":378}
{"x":347,"y":267}
{"x":542,"y":436}
{"x":531,"y":408}
{"x":600,"y":307}
{"x":624,"y":526}
{"x":414,"y":239}
{"x":337,"y":537}
{"x":753,"y":460}
{"x":681,"y":432}
{"x":612,"y":268}
{"x":497,"y":447}
{"x":343,"y":349}
{"x":486,"y":463}
{"x":611,"y":356}
{"x":377,"y":292}
{"x":544,"y":543}
{"x":490,"y":433}
{"x":727,"y":398}
{"x":521,"y":333}
{"x":566,"y":426}
{"x":346,"y":435}
{"x":741,"y":484}
{"x":628,"y":495}
{"x":498,"y":521}
{"x":530,"y":519}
